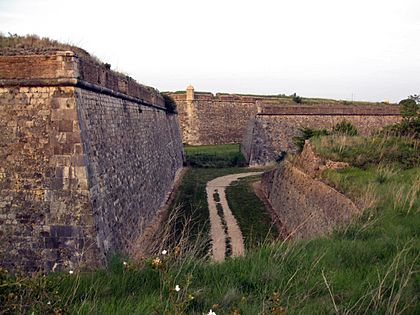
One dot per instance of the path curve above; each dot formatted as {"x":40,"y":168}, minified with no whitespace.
{"x":217,"y":229}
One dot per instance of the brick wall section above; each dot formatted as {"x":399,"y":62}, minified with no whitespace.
{"x":83,"y":167}
{"x":306,"y":207}
{"x":270,"y":133}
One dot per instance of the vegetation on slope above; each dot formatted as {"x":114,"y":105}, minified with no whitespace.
{"x":14,"y":44}
{"x":367,"y":151}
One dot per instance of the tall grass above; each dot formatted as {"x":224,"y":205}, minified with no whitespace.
{"x":365,"y":151}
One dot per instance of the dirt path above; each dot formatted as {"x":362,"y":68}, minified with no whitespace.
{"x":224,"y":229}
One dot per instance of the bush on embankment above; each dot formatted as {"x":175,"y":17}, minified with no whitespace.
{"x":344,"y":127}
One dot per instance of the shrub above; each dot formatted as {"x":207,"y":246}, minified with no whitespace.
{"x":410,"y":124}
{"x":170,"y":104}
{"x":345,"y":127}
{"x":296,"y":98}
{"x":405,"y":128}
{"x":409,"y":109}
{"x":307,"y":133}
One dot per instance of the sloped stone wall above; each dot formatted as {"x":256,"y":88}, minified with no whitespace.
{"x":133,"y":154}
{"x":87,"y":158}
{"x":305,"y":206}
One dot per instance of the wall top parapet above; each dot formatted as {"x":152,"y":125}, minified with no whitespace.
{"x":331,"y":110}
{"x":65,"y":68}
{"x":273,"y":100}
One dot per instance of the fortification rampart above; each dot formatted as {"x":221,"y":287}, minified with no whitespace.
{"x":305,"y":206}
{"x":87,"y":157}
{"x":223,"y":118}
{"x":273,"y":129}
{"x":209,"y":119}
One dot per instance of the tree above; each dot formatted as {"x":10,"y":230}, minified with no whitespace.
{"x":296,"y":98}
{"x":409,"y":108}
{"x":415,"y":97}
{"x":170,"y":104}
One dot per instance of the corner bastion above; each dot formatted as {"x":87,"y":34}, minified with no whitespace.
{"x":272,"y":130}
{"x":87,"y":158}
{"x":213,"y":119}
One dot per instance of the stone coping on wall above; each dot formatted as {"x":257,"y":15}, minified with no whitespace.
{"x":65,"y":68}
{"x":221,"y":97}
{"x":331,"y":110}
{"x":267,"y":100}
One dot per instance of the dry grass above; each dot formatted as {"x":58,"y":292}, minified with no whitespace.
{"x":406,"y":196}
{"x":33,"y":44}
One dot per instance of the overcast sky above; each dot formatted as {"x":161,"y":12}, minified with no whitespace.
{"x":326,"y":48}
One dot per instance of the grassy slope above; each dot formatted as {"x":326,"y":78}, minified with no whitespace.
{"x":250,"y":213}
{"x":371,"y":267}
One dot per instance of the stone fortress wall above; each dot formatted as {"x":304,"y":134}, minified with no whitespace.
{"x":87,"y":158}
{"x":274,"y":127}
{"x":213,"y":119}
{"x":224,"y":118}
{"x":305,"y":207}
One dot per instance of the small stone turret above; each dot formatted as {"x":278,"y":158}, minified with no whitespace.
{"x":190,"y":93}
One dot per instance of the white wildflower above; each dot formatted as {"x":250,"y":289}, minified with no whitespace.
{"x":177,"y":288}
{"x":71,"y":272}
{"x":211,"y":312}
{"x":124,"y":263}
{"x":164,"y":252}
{"x":49,"y":303}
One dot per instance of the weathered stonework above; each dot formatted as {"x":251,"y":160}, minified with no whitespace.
{"x":87,"y":157}
{"x":273,"y":129}
{"x":223,"y":118}
{"x":305,"y":206}
{"x":209,"y":119}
